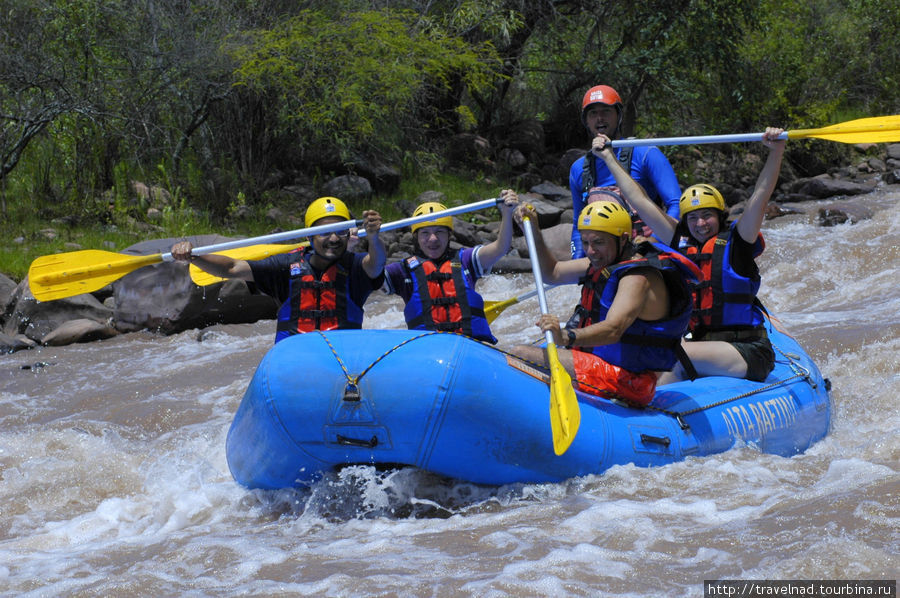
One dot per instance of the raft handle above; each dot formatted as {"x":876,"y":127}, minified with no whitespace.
{"x":372,"y":443}
{"x":351,"y":392}
{"x":663,"y":440}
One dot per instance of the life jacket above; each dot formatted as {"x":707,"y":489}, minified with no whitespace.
{"x":321,"y":303}
{"x":724,"y":300}
{"x":645,"y":345}
{"x":444,"y":298}
{"x":591,"y":193}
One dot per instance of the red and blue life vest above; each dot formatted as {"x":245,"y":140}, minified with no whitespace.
{"x":444,"y":298}
{"x":724,"y":299}
{"x":318,"y":302}
{"x":645,"y":345}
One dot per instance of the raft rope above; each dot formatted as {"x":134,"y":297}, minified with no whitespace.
{"x":352,"y":389}
{"x":799,"y":372}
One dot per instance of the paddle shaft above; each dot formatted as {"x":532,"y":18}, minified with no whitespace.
{"x":67,"y":274}
{"x":697,"y":139}
{"x":536,"y":270}
{"x":478,"y":205}
{"x":879,"y":128}
{"x":322,"y":229}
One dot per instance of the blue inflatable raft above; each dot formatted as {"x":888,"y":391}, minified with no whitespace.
{"x":450,"y":405}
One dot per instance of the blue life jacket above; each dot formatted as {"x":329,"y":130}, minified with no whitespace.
{"x":645,"y":345}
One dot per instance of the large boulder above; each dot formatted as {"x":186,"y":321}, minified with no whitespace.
{"x":11,"y":344}
{"x":37,"y":319}
{"x":553,"y":192}
{"x":385,"y":179}
{"x":350,"y":188}
{"x":7,"y":288}
{"x":80,"y":330}
{"x":824,"y":186}
{"x":558,"y":240}
{"x":163,"y":298}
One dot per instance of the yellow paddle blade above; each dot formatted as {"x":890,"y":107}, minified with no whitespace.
{"x":252,"y":252}
{"x":876,"y":129}
{"x":492,"y":309}
{"x":68,"y":274}
{"x":565,"y":415}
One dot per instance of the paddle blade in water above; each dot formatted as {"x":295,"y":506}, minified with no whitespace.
{"x":492,"y":309}
{"x":68,"y":274}
{"x":565,"y":415}
{"x":252,"y":252}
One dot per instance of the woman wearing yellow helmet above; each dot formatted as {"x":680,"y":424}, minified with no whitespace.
{"x":728,"y":336}
{"x":320,"y":287}
{"x":437,"y":284}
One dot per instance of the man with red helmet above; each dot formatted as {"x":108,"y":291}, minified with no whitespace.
{"x":602,"y":112}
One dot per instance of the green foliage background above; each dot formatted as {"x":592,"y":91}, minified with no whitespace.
{"x":223,"y":102}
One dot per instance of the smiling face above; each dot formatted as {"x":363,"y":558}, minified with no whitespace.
{"x":703,"y":224}
{"x":433,"y":240}
{"x":602,"y":118}
{"x":329,"y":247}
{"x":599,"y":247}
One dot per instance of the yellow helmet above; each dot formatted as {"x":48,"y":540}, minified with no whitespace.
{"x":606,"y":217}
{"x":325,"y":207}
{"x":427,"y":208}
{"x":697,"y":197}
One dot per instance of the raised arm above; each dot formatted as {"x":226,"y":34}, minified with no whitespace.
{"x":750,"y":220}
{"x":489,"y":254}
{"x":662,"y":225}
{"x":373,"y":262}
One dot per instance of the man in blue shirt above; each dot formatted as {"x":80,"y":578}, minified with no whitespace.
{"x":601,"y":113}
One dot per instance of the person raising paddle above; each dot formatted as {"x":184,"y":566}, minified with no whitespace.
{"x":437,"y":284}
{"x":635,"y":306}
{"x":320,"y":287}
{"x":602,"y":113}
{"x":728,"y":336}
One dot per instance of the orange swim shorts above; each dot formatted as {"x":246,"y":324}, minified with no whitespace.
{"x":595,"y":376}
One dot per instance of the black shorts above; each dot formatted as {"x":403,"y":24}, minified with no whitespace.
{"x":759,"y":356}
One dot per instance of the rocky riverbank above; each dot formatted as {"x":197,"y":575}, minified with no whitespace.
{"x":163,"y":298}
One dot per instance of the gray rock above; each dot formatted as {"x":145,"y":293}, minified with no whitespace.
{"x":349,"y":188}
{"x":893,"y":151}
{"x":558,"y":240}
{"x":548,"y":213}
{"x":80,"y":330}
{"x":826,"y":186}
{"x":36,"y":319}
{"x":18,"y":342}
{"x":552,"y":192}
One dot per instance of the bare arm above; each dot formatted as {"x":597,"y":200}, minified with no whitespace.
{"x":373,"y":262}
{"x":217,"y":265}
{"x":489,"y":254}
{"x":662,"y":225}
{"x":751,"y":219}
{"x":633,"y":300}
{"x":552,"y":270}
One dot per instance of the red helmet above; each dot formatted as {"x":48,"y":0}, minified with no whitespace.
{"x":601,"y":94}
